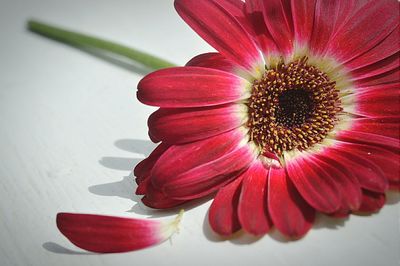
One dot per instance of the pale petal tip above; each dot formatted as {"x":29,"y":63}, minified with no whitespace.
{"x":171,"y":227}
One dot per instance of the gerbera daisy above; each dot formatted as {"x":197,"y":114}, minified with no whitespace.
{"x":297,"y":113}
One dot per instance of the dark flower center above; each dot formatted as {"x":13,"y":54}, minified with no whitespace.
{"x":293,"y":106}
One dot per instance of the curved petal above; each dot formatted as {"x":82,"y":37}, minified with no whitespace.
{"x":191,"y":87}
{"x":212,"y":60}
{"x":252,"y":210}
{"x":303,"y":20}
{"x":222,"y":31}
{"x":389,"y":46}
{"x":109,"y":234}
{"x":370,"y":139}
{"x":315,"y":187}
{"x":372,"y":201}
{"x":223,"y":216}
{"x":191,"y":124}
{"x":278,"y":19}
{"x":360,"y":33}
{"x":196,"y":169}
{"x":291,"y":215}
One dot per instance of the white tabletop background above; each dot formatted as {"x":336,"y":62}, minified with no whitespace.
{"x":71,"y":130}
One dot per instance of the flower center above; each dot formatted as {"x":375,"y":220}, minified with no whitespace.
{"x":293,"y":106}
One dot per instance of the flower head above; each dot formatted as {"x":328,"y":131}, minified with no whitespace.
{"x":297,"y":113}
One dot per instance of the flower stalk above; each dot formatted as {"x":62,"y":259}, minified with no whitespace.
{"x":83,"y":40}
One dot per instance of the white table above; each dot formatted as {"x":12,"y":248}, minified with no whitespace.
{"x":71,"y":130}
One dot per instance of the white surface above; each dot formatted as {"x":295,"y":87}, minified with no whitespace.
{"x":71,"y":130}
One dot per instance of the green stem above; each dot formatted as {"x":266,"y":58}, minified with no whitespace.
{"x":79,"y":39}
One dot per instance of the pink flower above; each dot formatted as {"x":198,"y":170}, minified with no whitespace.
{"x":297,"y":113}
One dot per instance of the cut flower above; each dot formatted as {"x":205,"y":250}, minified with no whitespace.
{"x":297,"y":113}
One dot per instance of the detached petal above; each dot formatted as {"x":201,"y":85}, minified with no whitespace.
{"x":107,"y":234}
{"x":191,"y":87}
{"x":217,"y":26}
{"x":291,"y":215}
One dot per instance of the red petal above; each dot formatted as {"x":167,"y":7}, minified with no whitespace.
{"x":367,"y":27}
{"x":328,"y":18}
{"x":348,"y":185}
{"x":385,"y":126}
{"x":252,"y":211}
{"x":371,"y":139}
{"x":369,"y":175}
{"x":378,"y":103}
{"x":388,"y":64}
{"x":190,"y":87}
{"x":278,"y":19}
{"x":142,"y":169}
{"x":191,"y":124}
{"x":212,"y":60}
{"x":388,"y":78}
{"x":205,"y":179}
{"x":155,"y":199}
{"x":291,"y":215}
{"x":315,"y":187}
{"x":195,"y":169}
{"x":389,"y":46}
{"x":303,"y":20}
{"x":106,"y":234}
{"x":222,"y":31}
{"x":372,"y":201}
{"x":258,"y":29}
{"x":223,"y":215}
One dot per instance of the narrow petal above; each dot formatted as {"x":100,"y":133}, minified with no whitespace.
{"x":196,"y":169}
{"x":360,"y":33}
{"x":253,"y":211}
{"x":315,"y":187}
{"x":328,"y":18}
{"x":222,"y":31}
{"x":370,"y":139}
{"x":212,"y":60}
{"x":291,"y":215}
{"x":191,"y":124}
{"x":384,"y":126}
{"x":191,"y":87}
{"x":303,"y":20}
{"x":389,"y":46}
{"x":223,"y":216}
{"x":372,"y":201}
{"x":106,"y":234}
{"x":278,"y":19}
